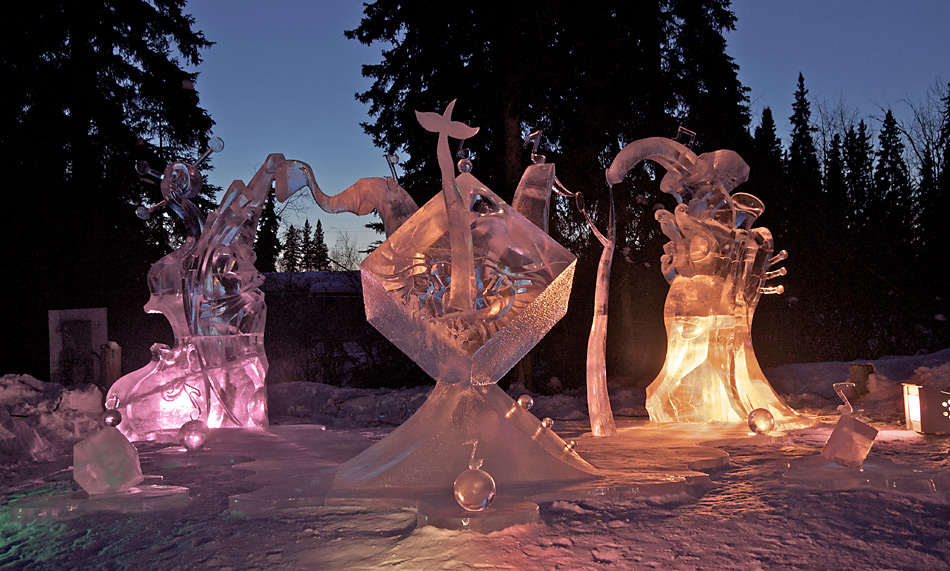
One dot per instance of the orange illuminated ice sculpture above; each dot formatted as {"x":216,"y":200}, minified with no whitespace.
{"x":717,"y":265}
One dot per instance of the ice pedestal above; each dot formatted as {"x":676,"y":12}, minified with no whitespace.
{"x":106,"y":462}
{"x":427,"y":452}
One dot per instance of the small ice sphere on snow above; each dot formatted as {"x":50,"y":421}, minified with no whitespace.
{"x":474,"y":490}
{"x":106,"y":462}
{"x":193,"y":434}
{"x":761,"y":421}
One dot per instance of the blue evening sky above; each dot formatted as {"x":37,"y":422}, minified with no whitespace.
{"x":281,"y":77}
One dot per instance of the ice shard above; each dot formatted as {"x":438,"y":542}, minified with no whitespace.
{"x":209,"y":290}
{"x":106,"y":462}
{"x":465,"y":287}
{"x":717,"y":265}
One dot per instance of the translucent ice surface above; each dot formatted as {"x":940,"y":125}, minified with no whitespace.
{"x":522,"y":285}
{"x":106,"y":462}
{"x":209,"y":290}
{"x":717,"y":265}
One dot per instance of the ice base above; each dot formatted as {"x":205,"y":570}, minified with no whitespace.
{"x":876,"y":473}
{"x":52,"y":503}
{"x":498,"y":516}
{"x":428,"y":451}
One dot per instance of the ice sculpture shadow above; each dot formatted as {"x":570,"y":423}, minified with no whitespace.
{"x":209,"y":290}
{"x":717,"y":265}
{"x":465,"y":286}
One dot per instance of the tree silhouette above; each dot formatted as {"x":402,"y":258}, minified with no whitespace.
{"x":267,"y":244}
{"x":90,"y":88}
{"x":291,"y":259}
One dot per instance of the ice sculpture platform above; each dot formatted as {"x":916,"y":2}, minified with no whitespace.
{"x":877,"y":472}
{"x":63,"y":502}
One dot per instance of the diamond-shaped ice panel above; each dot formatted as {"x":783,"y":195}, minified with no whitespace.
{"x":522,"y":280}
{"x":106,"y":462}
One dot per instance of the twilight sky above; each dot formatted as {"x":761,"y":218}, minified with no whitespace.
{"x":281,"y":77}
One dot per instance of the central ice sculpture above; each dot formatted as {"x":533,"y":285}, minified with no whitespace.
{"x":717,"y":265}
{"x":465,"y":287}
{"x":209,"y":290}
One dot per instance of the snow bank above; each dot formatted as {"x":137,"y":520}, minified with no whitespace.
{"x":41,"y":421}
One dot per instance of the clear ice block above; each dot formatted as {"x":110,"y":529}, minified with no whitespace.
{"x":850,"y":442}
{"x":106,"y":462}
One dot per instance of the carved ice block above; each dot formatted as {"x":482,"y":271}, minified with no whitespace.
{"x":850,"y":442}
{"x":106,"y":462}
{"x":523,"y":283}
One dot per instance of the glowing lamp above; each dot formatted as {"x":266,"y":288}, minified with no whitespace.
{"x":926,"y":410}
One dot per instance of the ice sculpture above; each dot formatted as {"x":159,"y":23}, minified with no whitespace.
{"x":465,"y":287}
{"x":598,"y":401}
{"x":717,"y":265}
{"x":209,"y":291}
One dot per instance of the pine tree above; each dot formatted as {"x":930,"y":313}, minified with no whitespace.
{"x":291,"y":258}
{"x":306,"y":248}
{"x":320,"y":253}
{"x":89,"y":89}
{"x":859,"y":175}
{"x":767,"y":178}
{"x":267,"y":244}
{"x":891,"y":201}
{"x":803,"y":168}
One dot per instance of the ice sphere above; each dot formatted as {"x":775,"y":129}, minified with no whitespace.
{"x":850,"y":442}
{"x":193,"y":434}
{"x":474,"y":490}
{"x":761,"y":421}
{"x":209,"y":290}
{"x":525,"y":402}
{"x":112,"y":417}
{"x":106,"y":462}
{"x":717,"y":265}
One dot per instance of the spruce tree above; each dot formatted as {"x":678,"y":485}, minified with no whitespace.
{"x":306,"y":248}
{"x":859,"y":175}
{"x":291,"y":258}
{"x":320,"y":253}
{"x":891,"y":206}
{"x":803,"y":168}
{"x":267,"y":244}
{"x":89,"y":89}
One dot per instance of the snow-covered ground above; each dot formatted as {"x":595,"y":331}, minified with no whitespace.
{"x":748,"y":519}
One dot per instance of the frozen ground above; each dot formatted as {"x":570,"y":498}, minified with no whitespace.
{"x":747,"y":519}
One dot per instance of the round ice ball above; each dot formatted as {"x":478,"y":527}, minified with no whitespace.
{"x":112,"y":417}
{"x":193,"y":434}
{"x":761,"y":421}
{"x":525,"y":402}
{"x":474,"y":490}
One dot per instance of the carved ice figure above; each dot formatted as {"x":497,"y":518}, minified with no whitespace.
{"x":465,"y":287}
{"x":717,"y":265}
{"x":209,"y":290}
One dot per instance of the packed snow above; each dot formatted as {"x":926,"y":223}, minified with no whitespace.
{"x":748,"y":517}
